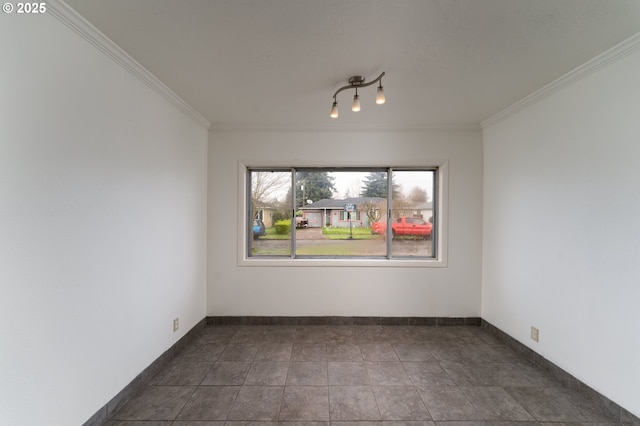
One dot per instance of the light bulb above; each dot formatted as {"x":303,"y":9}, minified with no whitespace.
{"x":355,"y":107}
{"x":380,"y":99}
{"x":334,"y":110}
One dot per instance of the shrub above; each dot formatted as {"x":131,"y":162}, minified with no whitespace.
{"x":283,"y":227}
{"x":278,"y":216}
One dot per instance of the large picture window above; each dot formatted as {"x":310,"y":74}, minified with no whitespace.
{"x":328,"y":213}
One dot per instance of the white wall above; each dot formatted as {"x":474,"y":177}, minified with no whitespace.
{"x":345,"y":291}
{"x":102,"y":224}
{"x":562,"y":230}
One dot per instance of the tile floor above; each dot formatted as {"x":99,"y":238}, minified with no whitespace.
{"x":390,"y":376}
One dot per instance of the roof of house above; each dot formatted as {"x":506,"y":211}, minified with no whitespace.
{"x":427,"y":205}
{"x":338,"y":203}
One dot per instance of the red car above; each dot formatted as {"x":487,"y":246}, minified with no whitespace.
{"x":414,"y":226}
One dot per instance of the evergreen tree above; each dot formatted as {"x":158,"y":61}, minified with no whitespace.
{"x":375,"y":185}
{"x":313,"y":186}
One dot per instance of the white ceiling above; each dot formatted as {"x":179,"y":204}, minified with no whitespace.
{"x":277,"y":63}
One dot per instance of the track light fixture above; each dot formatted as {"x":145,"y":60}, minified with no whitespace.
{"x":356,"y":82}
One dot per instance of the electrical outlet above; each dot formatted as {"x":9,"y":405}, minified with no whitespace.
{"x":535,"y":334}
{"x":176,"y":324}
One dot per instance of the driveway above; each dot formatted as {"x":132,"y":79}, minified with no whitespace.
{"x":309,"y":234}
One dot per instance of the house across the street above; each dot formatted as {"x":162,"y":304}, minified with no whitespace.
{"x":334,"y":212}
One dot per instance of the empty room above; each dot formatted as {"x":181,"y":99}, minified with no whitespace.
{"x":333,"y":213}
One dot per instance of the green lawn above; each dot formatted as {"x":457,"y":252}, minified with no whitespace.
{"x":271,"y":235}
{"x":329,"y":233}
{"x":343,"y":233}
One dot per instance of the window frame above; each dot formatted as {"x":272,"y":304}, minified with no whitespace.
{"x":440,"y":220}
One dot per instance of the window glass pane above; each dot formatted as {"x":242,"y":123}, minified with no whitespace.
{"x":335,"y":210}
{"x":270,"y":213}
{"x":412,"y":213}
{"x":341,"y":213}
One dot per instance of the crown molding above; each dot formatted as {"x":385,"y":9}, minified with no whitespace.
{"x":344,"y":128}
{"x":601,"y":61}
{"x":73,"y":20}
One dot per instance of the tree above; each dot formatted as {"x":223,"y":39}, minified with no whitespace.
{"x":265,"y":187}
{"x":375,"y":185}
{"x":353,"y":190}
{"x":313,"y":186}
{"x":373,"y":210}
{"x":418,"y":195}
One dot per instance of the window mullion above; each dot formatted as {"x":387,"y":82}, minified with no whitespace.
{"x":389,"y":229}
{"x":293,"y":212}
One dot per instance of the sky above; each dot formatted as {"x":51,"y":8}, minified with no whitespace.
{"x":352,"y":182}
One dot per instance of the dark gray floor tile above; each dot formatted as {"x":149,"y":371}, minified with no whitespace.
{"x":307,"y":374}
{"x":447,"y":403}
{"x":489,"y":423}
{"x":352,"y":403}
{"x":508,"y":354}
{"x":480,"y":354}
{"x":249,"y":423}
{"x":274,"y":352}
{"x":300,"y":423}
{"x":584,"y":424}
{"x":446,"y":351}
{"x":239,"y":352}
{"x":267,"y":373}
{"x":467,"y":374}
{"x":209,"y":403}
{"x":344,"y":352}
{"x":378,"y":351}
{"x":219,"y":335}
{"x":460,"y":376}
{"x":280,"y":335}
{"x":226,"y":373}
{"x":309,"y":352}
{"x":355,"y":423}
{"x":427,"y":374}
{"x":440,"y":335}
{"x":311,"y":334}
{"x":387,"y":374}
{"x":426,"y":334}
{"x":155,"y":403}
{"x":507,"y":374}
{"x":211,"y":339}
{"x":220,"y":330}
{"x":466,"y":335}
{"x":402,"y":335}
{"x":348,"y":374}
{"x":182,"y":374}
{"x":249,"y":335}
{"x":257,"y":403}
{"x":494,"y":403}
{"x":558,"y":405}
{"x":413,"y":352}
{"x":408,"y":423}
{"x":341,"y":334}
{"x":400,"y":403}
{"x":371,"y":334}
{"x":629,"y":419}
{"x":305,"y":403}
{"x":201,"y":353}
{"x":488,"y":337}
